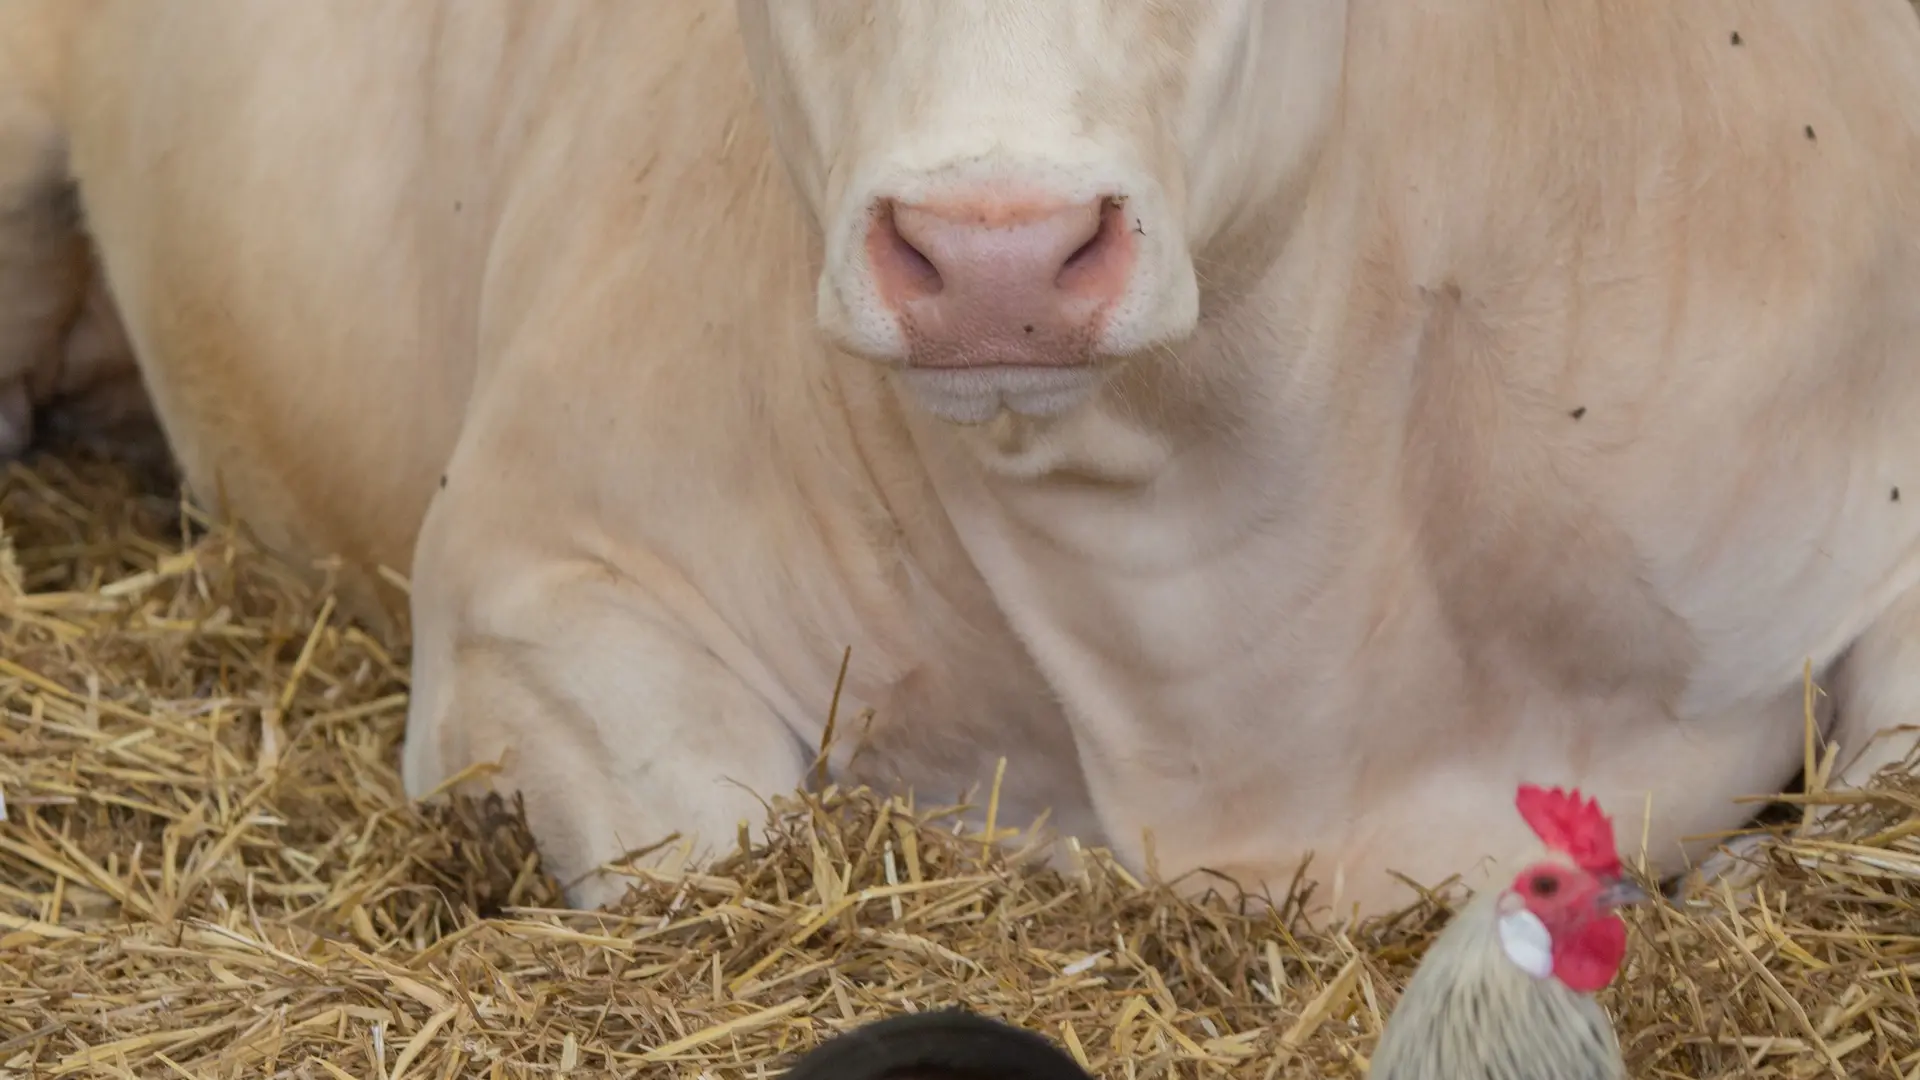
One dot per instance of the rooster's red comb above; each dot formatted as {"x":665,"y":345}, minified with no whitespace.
{"x":1574,"y":827}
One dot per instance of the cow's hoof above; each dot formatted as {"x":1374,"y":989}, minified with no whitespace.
{"x":1736,"y":865}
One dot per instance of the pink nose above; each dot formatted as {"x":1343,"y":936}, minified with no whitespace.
{"x":988,"y":281}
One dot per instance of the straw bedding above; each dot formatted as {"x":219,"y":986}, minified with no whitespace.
{"x":208,"y":869}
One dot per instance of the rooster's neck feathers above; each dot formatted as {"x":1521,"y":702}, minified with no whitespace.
{"x":1470,"y":1012}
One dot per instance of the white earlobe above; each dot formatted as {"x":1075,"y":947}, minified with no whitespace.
{"x":1526,"y":941}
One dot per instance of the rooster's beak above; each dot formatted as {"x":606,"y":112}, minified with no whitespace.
{"x":1621,"y":892}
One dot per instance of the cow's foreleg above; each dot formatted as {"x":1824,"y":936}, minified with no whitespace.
{"x":1872,"y":721}
{"x":1876,"y":696}
{"x":617,"y":726}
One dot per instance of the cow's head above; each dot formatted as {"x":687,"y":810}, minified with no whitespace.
{"x":1013,"y":191}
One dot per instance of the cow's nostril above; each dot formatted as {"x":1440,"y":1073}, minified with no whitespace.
{"x":1089,"y":261}
{"x":911,"y":270}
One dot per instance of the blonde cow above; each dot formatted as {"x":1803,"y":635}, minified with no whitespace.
{"x":1277,"y":426}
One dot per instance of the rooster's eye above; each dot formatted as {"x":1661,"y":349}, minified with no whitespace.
{"x":1545,"y":885}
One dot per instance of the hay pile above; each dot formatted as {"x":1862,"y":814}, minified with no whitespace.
{"x":208,"y":870}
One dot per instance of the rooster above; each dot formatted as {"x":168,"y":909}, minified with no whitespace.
{"x":1506,"y":991}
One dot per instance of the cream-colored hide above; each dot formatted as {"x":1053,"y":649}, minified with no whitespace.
{"x":1280,"y":425}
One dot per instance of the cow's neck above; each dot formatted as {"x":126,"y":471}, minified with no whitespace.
{"x":1206,"y":496}
{"x":1194,"y":459}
